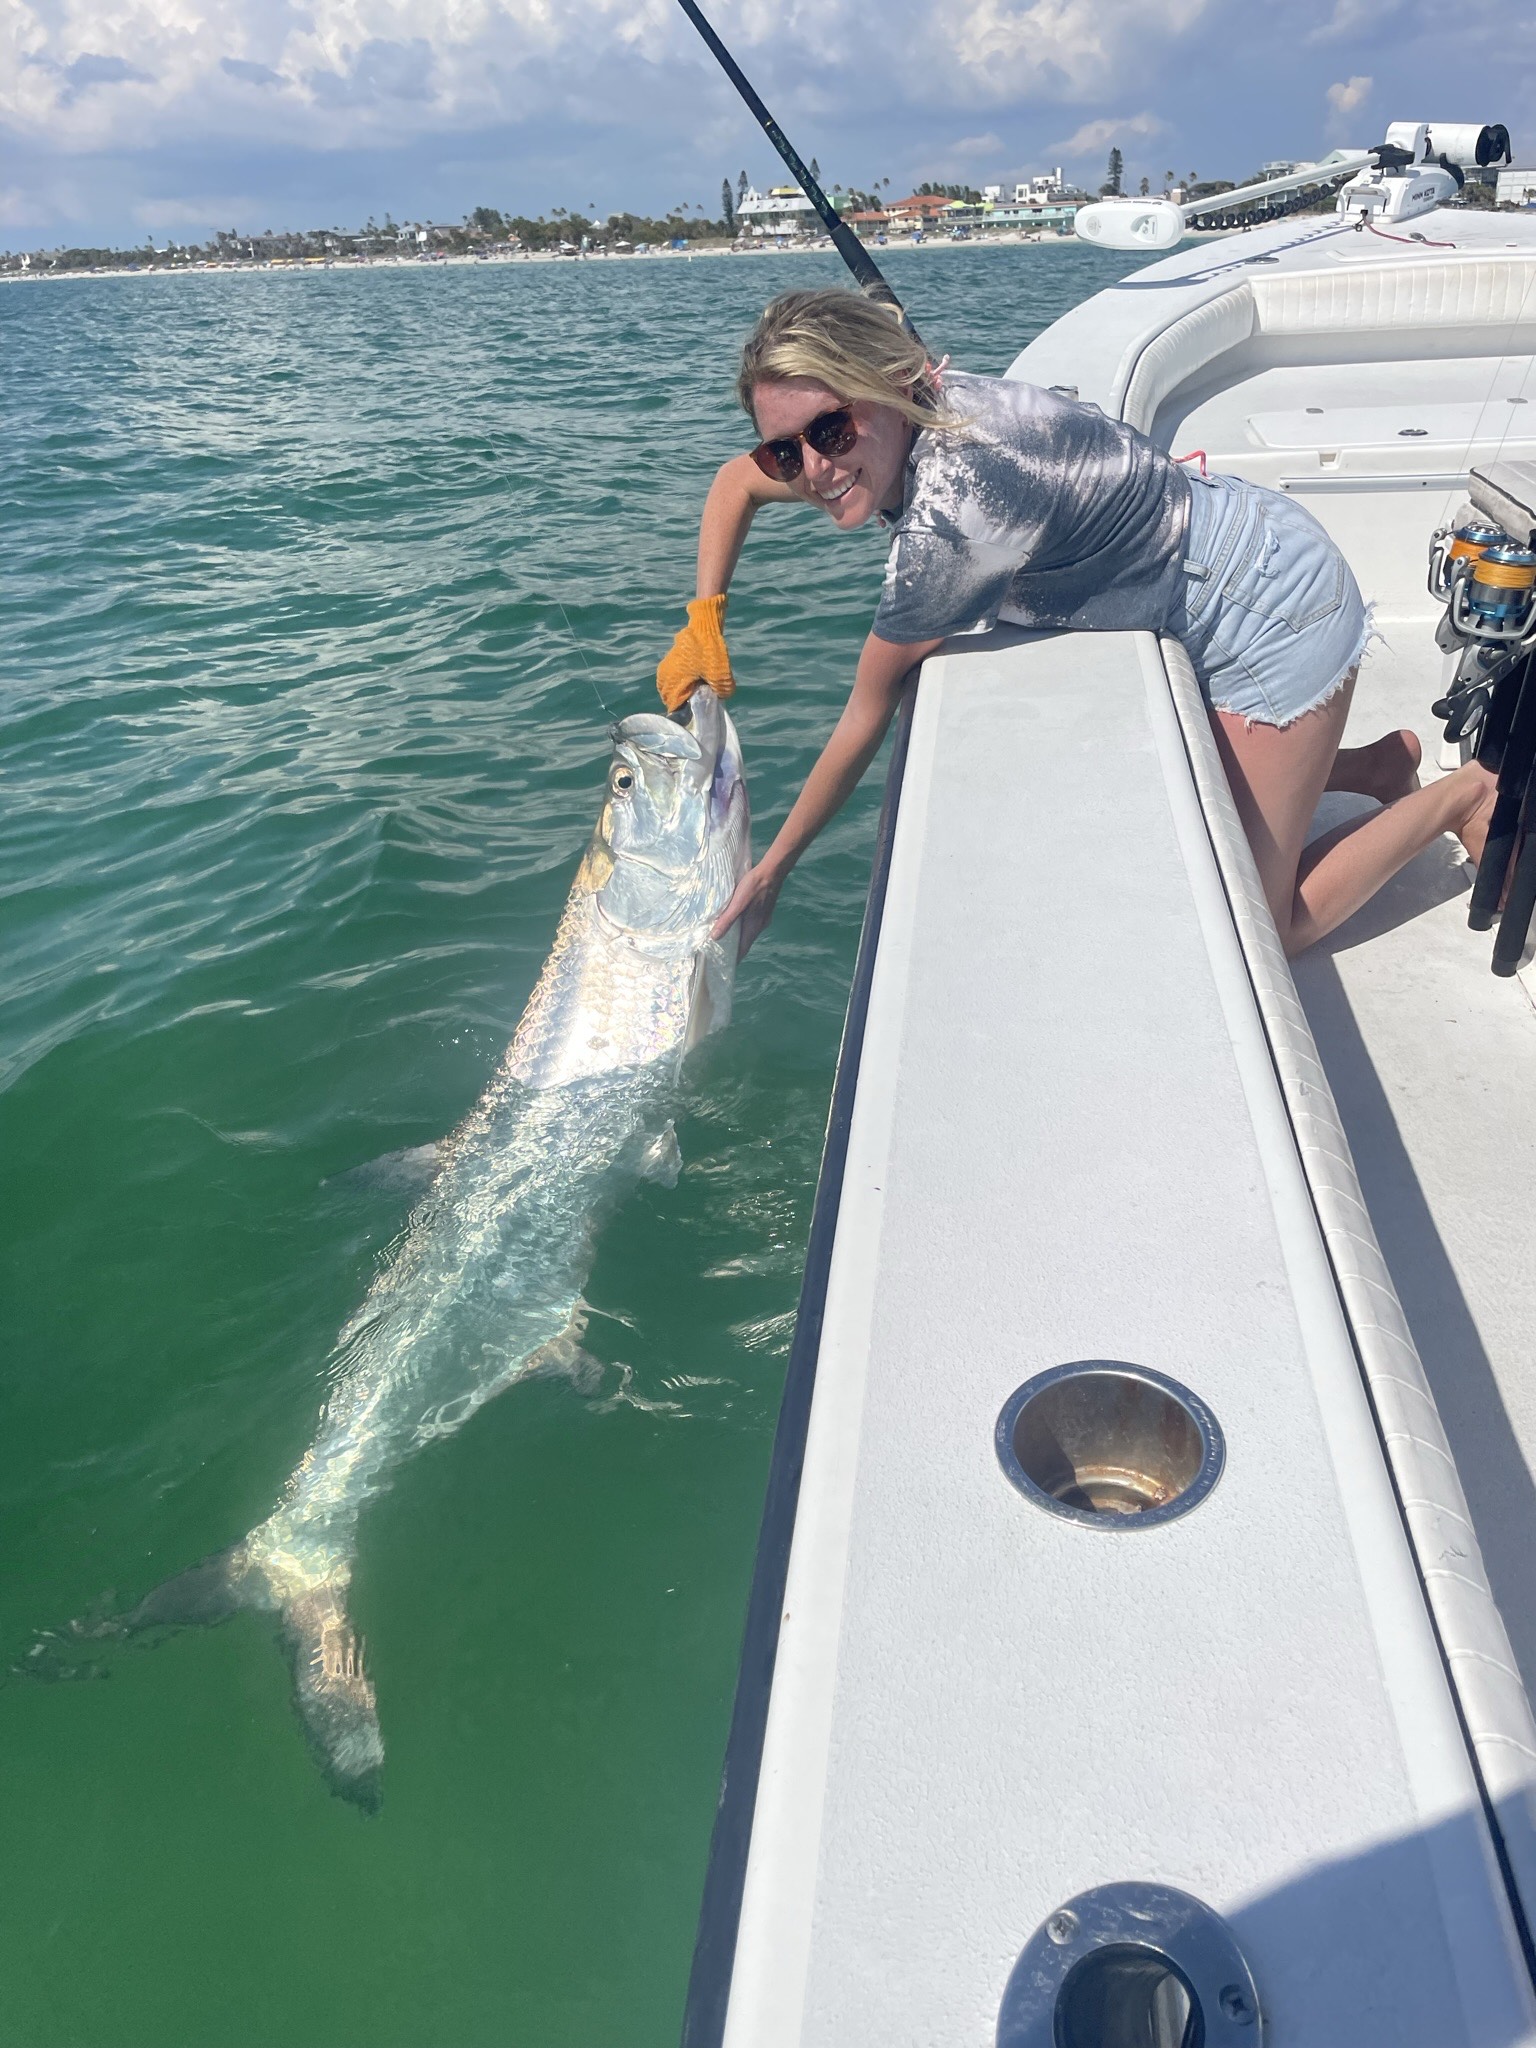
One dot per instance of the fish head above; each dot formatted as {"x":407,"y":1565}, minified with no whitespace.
{"x":674,"y":828}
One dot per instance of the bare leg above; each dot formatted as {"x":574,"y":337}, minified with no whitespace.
{"x":1387,"y":769}
{"x":1277,"y":775}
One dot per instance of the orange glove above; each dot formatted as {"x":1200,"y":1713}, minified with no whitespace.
{"x":697,"y":655}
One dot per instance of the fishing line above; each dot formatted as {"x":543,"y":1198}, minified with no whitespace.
{"x":586,"y":665}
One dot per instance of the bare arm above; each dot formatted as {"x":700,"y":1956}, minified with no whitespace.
{"x":883,"y":668}
{"x":738,"y":490}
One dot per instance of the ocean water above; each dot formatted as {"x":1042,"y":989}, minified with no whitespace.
{"x":318,"y":590}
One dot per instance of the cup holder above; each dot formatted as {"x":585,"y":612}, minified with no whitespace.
{"x":1112,"y":1445}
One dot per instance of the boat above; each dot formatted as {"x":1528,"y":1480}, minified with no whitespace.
{"x":1142,"y":1637}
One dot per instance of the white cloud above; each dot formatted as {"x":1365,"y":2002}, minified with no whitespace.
{"x":1351,"y":15}
{"x":1061,"y":49}
{"x":116,"y":111}
{"x":86,"y":75}
{"x":1094,"y":137}
{"x":1350,"y":94}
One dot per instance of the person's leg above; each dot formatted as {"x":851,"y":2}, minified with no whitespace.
{"x":1277,"y":774}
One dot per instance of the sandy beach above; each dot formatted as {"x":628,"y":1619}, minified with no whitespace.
{"x":944,"y":244}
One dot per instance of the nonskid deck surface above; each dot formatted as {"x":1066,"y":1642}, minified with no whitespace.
{"x":1432,"y":1062}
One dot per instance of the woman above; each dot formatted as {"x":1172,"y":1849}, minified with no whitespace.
{"x":1009,"y":502}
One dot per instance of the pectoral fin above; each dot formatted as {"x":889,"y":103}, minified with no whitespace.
{"x":409,"y":1172}
{"x":662,"y":1158}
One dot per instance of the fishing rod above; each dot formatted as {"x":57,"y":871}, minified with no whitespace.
{"x":844,"y":240}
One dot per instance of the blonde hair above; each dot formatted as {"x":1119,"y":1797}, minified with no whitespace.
{"x":853,"y":345}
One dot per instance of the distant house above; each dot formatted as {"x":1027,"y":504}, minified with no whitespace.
{"x":923,"y":209}
{"x":783,"y":210}
{"x":869,"y":221}
{"x":1039,"y":191}
{"x":1516,"y":187}
{"x":1058,"y":215}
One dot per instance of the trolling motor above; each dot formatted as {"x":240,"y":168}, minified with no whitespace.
{"x":1482,"y":568}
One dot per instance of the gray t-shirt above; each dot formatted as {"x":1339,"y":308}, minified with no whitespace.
{"x":1039,"y":511}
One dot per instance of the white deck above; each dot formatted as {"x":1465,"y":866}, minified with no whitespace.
{"x":1069,"y":1141}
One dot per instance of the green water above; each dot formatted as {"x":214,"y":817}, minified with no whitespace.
{"x":297,"y":753}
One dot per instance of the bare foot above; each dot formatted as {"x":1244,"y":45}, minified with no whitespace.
{"x":1387,"y":769}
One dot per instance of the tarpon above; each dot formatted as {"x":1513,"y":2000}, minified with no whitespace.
{"x":489,"y":1272}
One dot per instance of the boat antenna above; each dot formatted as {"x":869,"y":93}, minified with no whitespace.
{"x":844,"y":240}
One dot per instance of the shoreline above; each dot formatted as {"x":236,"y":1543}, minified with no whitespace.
{"x":302,"y":267}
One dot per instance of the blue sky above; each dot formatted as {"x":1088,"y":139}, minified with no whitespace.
{"x":174,"y":117}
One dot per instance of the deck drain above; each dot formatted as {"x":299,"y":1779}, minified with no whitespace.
{"x":1131,"y":1966}
{"x":1114,"y":1445}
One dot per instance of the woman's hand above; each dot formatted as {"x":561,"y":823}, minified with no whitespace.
{"x":698,"y":655}
{"x":751,"y":905}
{"x":883,"y":668}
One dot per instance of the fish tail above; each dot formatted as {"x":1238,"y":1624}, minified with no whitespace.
{"x":334,"y":1696}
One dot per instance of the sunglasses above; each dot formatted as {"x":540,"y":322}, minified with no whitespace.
{"x":830,"y":433}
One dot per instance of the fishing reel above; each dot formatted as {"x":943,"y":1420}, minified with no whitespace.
{"x":1487,"y":583}
{"x":1496,"y":598}
{"x":1453,"y":550}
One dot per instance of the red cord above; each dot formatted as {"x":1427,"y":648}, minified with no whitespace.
{"x":1194,"y":455}
{"x":1413,"y":241}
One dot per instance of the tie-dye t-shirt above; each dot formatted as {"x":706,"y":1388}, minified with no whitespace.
{"x":1038,"y":511}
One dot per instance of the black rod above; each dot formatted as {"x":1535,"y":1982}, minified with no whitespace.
{"x":853,"y":252}
{"x":1515,"y":764}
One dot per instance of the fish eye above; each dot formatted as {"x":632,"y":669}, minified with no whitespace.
{"x":623,"y":779}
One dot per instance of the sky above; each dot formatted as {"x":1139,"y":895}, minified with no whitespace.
{"x":121,"y":118}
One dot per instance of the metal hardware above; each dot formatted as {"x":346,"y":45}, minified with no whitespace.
{"x":1145,"y":1966}
{"x":1376,"y":480}
{"x":1109,"y":1445}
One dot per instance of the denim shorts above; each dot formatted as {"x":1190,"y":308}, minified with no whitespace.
{"x":1270,"y":612}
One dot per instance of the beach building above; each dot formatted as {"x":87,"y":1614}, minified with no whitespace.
{"x":1517,"y":186}
{"x":1057,"y":214}
{"x":922,"y":209}
{"x":782,"y":210}
{"x":1038,"y":191}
